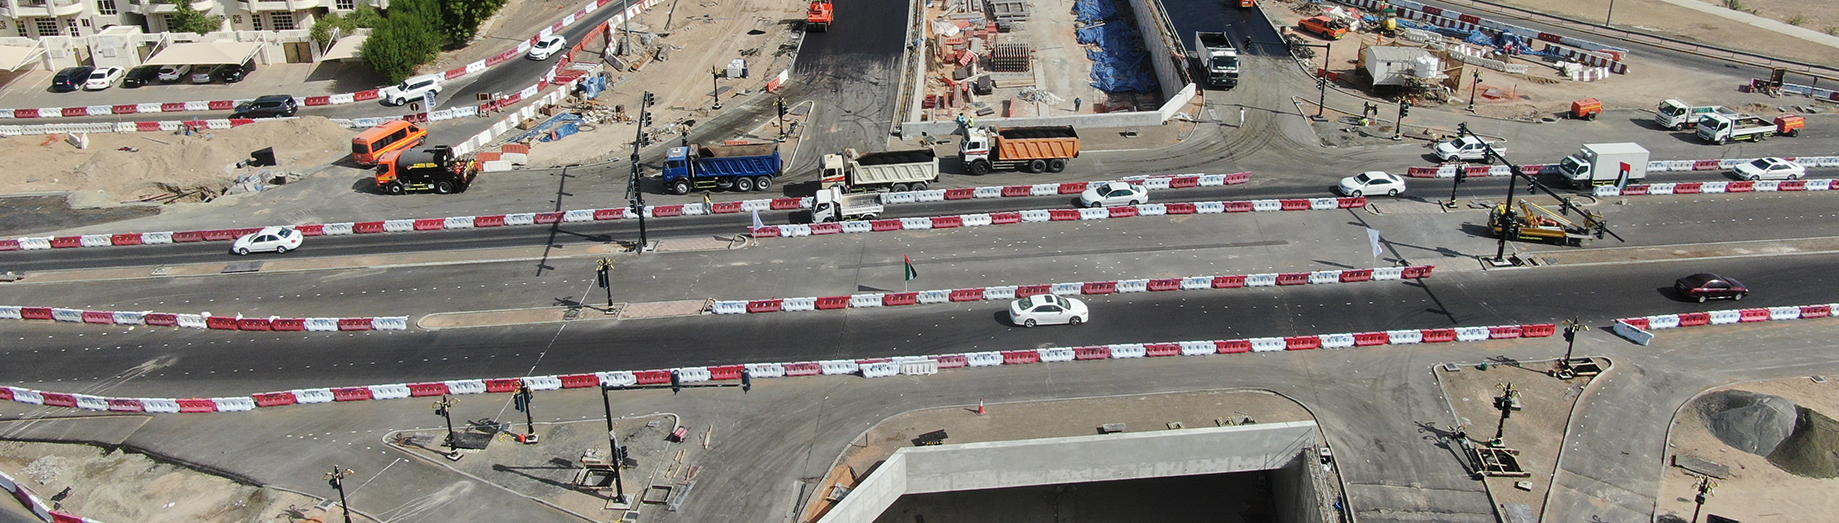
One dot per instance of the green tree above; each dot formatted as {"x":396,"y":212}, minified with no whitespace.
{"x":323,"y":26}
{"x":188,"y":20}
{"x":460,"y":19}
{"x":405,"y":38}
{"x":364,"y":16}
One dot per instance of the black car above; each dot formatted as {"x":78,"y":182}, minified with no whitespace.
{"x":1706,"y":285}
{"x":233,"y":73}
{"x":71,"y":79}
{"x":140,"y":76}
{"x":269,"y":106}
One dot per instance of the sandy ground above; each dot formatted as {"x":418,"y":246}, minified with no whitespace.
{"x":207,"y":157}
{"x":142,"y":490}
{"x":1536,"y":431}
{"x":1756,"y":490}
{"x":1658,"y":17}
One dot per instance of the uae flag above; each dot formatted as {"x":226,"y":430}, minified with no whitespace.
{"x":911,"y":274}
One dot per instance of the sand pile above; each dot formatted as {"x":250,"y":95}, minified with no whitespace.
{"x":177,"y":160}
{"x":1795,"y":439}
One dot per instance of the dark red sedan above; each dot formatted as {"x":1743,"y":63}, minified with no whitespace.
{"x":1705,"y":285}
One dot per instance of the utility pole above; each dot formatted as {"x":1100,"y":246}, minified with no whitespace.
{"x":638,"y":193}
{"x":1507,"y":402}
{"x":444,"y":409}
{"x":715,"y":74}
{"x":1462,"y":175}
{"x":1506,"y":217}
{"x":1706,"y":486}
{"x":522,"y":400}
{"x":780,"y":103}
{"x":1571,"y":328}
{"x":1398,"y":131}
{"x":603,"y":276}
{"x":613,"y":454}
{"x":625,"y":28}
{"x":1474,"y":85}
{"x":337,"y":479}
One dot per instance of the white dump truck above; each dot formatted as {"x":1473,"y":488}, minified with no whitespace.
{"x":1602,"y":164}
{"x":1218,"y":60}
{"x":831,"y":204}
{"x":896,"y":171}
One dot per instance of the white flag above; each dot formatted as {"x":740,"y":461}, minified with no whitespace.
{"x":1373,"y":235}
{"x":756,"y":219}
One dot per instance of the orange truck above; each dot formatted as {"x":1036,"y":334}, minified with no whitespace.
{"x":1026,"y":149}
{"x":1248,"y":3}
{"x":819,"y":16}
{"x":1323,"y":26}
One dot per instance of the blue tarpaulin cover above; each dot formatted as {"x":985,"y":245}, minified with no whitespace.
{"x":1118,"y":64}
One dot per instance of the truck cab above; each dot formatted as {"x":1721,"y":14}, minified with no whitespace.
{"x":831,"y":204}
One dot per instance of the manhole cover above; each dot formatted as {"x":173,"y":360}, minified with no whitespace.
{"x":242,"y":266}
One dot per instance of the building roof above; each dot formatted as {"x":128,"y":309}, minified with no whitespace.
{"x":1395,"y":53}
{"x":206,"y":53}
{"x":347,"y":47}
{"x":13,"y":57}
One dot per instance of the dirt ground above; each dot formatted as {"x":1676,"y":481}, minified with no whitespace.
{"x":1757,"y":490}
{"x":1537,"y":430}
{"x":205,"y":157}
{"x":1655,"y":16}
{"x":139,"y":489}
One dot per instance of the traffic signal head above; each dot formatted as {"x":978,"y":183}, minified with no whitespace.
{"x":600,"y":277}
{"x":1404,"y":109}
{"x":644,"y":118}
{"x":746,"y":380}
{"x":676,"y":382}
{"x":648,"y":98}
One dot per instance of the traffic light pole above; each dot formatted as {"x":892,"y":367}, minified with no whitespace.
{"x":638,"y":193}
{"x":523,"y":390}
{"x":619,"y":487}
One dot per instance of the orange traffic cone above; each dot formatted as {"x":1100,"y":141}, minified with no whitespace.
{"x":980,"y":410}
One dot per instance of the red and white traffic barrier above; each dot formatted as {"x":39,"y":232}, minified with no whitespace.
{"x":1045,"y":215}
{"x":1656,"y":166}
{"x":1010,"y":292}
{"x":36,"y":505}
{"x":202,"y":321}
{"x":1589,"y":52}
{"x":1655,"y":189}
{"x":584,"y":215}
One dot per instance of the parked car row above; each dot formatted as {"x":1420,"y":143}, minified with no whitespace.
{"x":98,"y":78}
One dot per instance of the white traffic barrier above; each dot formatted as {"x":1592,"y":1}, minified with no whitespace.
{"x":1005,"y":292}
{"x":1068,"y":289}
{"x":858,"y":227}
{"x":987,"y":192}
{"x":935,"y":195}
{"x":234,"y":404}
{"x":1261,"y":280}
{"x":35,"y":244}
{"x":1664,"y":321}
{"x":398,"y":225}
{"x":542,"y":382}
{"x":1337,"y":341}
{"x":1268,"y":344}
{"x":798,"y":304}
{"x":1607,"y":190}
{"x":756,"y":205}
{"x":1267,"y":205}
{"x":1728,"y":163}
{"x":1406,"y":337}
{"x":67,"y":315}
{"x":192,"y":321}
{"x":1133,"y":286}
{"x":140,"y":318}
{"x":27,"y":396}
{"x":390,"y":323}
{"x":337,"y":229}
{"x":766,"y":370}
{"x":1198,"y":348}
{"x":1714,"y":187}
{"x":1321,"y":277}
{"x":693,"y":374}
{"x":729,"y":307}
{"x":1094,"y":213}
{"x":458,"y":222}
{"x":88,"y":402}
{"x":154,"y":238}
{"x":1784,"y":313}
{"x":1209,"y":207}
{"x":983,"y":359}
{"x":897,"y":198}
{"x":839,"y":367}
{"x":865,"y":300}
{"x":160,"y":405}
{"x":1823,"y":184}
{"x":974,"y":220}
{"x":1036,"y":215}
{"x":1725,"y":317}
{"x":795,"y":230}
{"x":1127,"y":350}
{"x":1057,"y":354}
{"x":1388,"y":273}
{"x":1045,"y":189}
{"x":578,"y":215}
{"x":1767,"y":186}
{"x":522,"y":218}
{"x":1152,"y":209}
{"x":1655,"y":189}
{"x":880,"y":370}
{"x":96,"y":240}
{"x":389,"y":392}
{"x":911,"y":224}
{"x":322,"y":324}
{"x":1324,"y":204}
{"x":465,"y":386}
{"x":10,"y":312}
{"x":617,"y":379}
{"x":1195,"y":283}
{"x":918,"y":367}
{"x":1471,"y":333}
{"x":929,"y":297}
{"x":1153,"y":184}
{"x":695,"y":209}
{"x":320,"y":395}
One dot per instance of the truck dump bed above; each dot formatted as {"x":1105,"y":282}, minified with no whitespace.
{"x":919,"y":165}
{"x":732,"y":151}
{"x":1039,"y":143}
{"x":738,"y":160}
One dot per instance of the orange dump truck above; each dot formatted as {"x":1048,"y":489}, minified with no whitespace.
{"x":1027,"y":149}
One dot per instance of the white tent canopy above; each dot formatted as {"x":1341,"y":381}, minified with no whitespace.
{"x":13,"y":57}
{"x":206,"y":53}
{"x":347,"y":47}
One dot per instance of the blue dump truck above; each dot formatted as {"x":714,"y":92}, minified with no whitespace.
{"x":749,"y":167}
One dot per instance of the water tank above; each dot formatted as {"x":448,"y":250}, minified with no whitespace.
{"x":1427,"y":67}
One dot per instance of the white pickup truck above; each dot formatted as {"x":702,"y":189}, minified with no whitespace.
{"x":1467,"y":148}
{"x":831,"y":204}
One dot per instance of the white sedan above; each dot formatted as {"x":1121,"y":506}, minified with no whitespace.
{"x":1769,"y":169}
{"x":1372,"y":182}
{"x":103,"y":78}
{"x":547,"y":47}
{"x":1111,"y":194}
{"x":276,"y":239}
{"x":1047,"y":309}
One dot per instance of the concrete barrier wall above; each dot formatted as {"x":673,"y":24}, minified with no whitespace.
{"x":872,"y":495}
{"x":1167,"y":62}
{"x":1294,"y":489}
{"x":1107,"y":457}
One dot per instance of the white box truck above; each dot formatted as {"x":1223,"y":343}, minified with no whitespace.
{"x":1601,"y":164}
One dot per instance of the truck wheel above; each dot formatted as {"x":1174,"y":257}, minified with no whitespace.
{"x":743,"y":184}
{"x":1037,"y":166}
{"x":1723,"y":140}
{"x":917,"y":186}
{"x":394,"y":188}
{"x":680,"y":187}
{"x":443,"y":187}
{"x":761,"y":183}
{"x":1056,"y":165}
{"x":900,"y":187}
{"x":1793,"y":133}
{"x":980,"y":167}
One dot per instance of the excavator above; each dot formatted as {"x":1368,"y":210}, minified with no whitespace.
{"x":819,"y":16}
